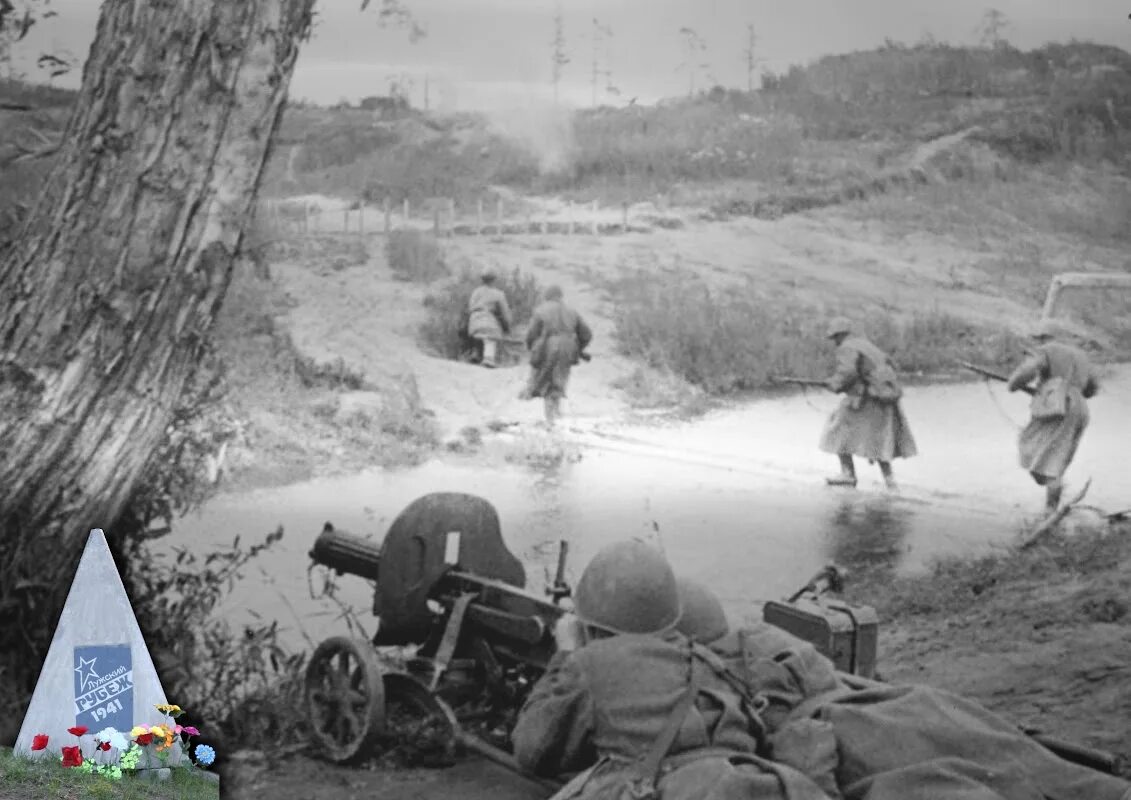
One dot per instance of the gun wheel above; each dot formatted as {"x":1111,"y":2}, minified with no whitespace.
{"x":422,"y":728}
{"x":345,"y":698}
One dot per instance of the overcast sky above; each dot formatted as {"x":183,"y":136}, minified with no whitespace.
{"x":495,"y":53}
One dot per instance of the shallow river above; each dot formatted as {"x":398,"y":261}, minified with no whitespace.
{"x":736,"y":498}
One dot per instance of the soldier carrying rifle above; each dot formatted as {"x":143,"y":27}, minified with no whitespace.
{"x":869,"y":421}
{"x":1064,"y":381}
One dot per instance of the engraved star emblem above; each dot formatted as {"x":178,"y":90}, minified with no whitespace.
{"x":90,"y":676}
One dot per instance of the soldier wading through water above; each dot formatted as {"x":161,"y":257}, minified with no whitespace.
{"x":1058,"y":411}
{"x":869,"y":422}
{"x":642,"y":709}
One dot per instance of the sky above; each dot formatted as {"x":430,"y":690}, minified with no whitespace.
{"x":491,"y":54}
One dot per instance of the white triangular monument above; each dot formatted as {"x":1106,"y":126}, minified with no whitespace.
{"x":98,"y":671}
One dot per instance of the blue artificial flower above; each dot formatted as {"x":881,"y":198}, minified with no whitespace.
{"x":204,"y":754}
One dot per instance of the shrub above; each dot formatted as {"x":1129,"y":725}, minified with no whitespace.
{"x":731,"y":341}
{"x":440,"y":332}
{"x":415,"y":256}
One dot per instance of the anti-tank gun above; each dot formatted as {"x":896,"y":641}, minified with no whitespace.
{"x":461,"y":641}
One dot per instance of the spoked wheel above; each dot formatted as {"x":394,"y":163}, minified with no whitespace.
{"x":345,"y":698}
{"x":421,"y":728}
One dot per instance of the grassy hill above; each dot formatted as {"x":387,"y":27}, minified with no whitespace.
{"x":843,"y":118}
{"x":840,"y":117}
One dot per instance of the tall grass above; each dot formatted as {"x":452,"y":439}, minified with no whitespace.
{"x":737,"y":340}
{"x":440,"y":333}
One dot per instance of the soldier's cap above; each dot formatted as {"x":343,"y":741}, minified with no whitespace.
{"x":487,"y":275}
{"x":838,"y":325}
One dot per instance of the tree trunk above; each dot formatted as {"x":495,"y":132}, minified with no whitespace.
{"x":108,"y":295}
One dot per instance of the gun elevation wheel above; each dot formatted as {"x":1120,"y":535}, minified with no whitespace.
{"x":345,"y":698}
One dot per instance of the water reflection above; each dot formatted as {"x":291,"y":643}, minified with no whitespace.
{"x":869,"y":532}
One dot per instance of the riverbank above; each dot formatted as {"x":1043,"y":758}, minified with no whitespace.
{"x":1041,"y":636}
{"x":1004,"y":631}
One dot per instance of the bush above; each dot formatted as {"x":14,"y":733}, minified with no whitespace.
{"x":440,"y":332}
{"x":415,"y":256}
{"x":731,"y":341}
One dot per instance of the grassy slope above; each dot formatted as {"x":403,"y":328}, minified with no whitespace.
{"x":42,"y":779}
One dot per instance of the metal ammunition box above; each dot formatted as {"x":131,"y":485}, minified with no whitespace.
{"x":846,"y":634}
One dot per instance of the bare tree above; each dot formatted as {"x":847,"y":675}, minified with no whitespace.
{"x":559,"y":58}
{"x":991,"y":29}
{"x":751,"y":57}
{"x":607,"y":71}
{"x":695,"y":51}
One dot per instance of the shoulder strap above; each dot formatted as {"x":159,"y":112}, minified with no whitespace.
{"x":753,"y":704}
{"x":648,"y":768}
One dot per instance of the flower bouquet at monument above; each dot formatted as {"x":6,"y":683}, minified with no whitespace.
{"x":143,"y":748}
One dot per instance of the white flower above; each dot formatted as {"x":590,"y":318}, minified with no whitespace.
{"x":115,"y":739}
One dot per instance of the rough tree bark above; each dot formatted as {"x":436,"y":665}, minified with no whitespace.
{"x":108,"y":294}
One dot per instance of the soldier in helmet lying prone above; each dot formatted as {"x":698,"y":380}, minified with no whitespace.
{"x":888,"y":742}
{"x":645,"y":711}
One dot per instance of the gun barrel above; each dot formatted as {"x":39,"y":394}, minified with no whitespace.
{"x":345,"y":552}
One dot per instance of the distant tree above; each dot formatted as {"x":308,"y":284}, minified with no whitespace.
{"x":559,"y":58}
{"x":695,"y":63}
{"x":602,"y":35}
{"x":400,"y":88}
{"x":751,"y":57}
{"x":992,"y":28}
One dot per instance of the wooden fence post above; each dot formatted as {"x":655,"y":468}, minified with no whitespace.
{"x":451,"y":216}
{"x":361,"y":219}
{"x":346,"y":220}
{"x":624,"y":216}
{"x":405,"y":211}
{"x":569,"y":212}
{"x":593,"y":226}
{"x":479,"y":217}
{"x":388,"y":214}
{"x":499,"y":215}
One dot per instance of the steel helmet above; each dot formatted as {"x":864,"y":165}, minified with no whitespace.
{"x":628,"y":587}
{"x":1045,"y":329}
{"x":838,"y":325}
{"x":703,"y":618}
{"x":488,"y":275}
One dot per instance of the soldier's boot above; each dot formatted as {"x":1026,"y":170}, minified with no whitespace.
{"x":889,"y":478}
{"x":552,"y":409}
{"x":490,"y":347}
{"x":847,"y":475}
{"x":1053,"y":490}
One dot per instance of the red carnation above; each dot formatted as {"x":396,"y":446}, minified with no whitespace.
{"x":144,"y":739}
{"x":39,"y":742}
{"x":104,"y":746}
{"x":72,"y":756}
{"x":78,"y":730}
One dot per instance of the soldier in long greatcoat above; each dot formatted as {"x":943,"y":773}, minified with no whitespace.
{"x":869,"y":422}
{"x":607,"y":698}
{"x":488,"y":317}
{"x":887,"y":742}
{"x":1064,"y":374}
{"x":556,"y":337}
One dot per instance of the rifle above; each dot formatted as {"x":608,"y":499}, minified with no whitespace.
{"x":997,"y":376}
{"x":799,"y":381}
